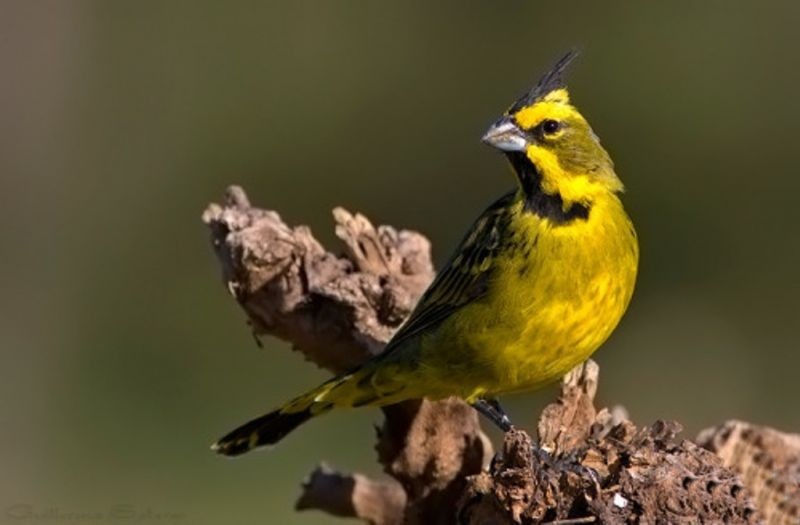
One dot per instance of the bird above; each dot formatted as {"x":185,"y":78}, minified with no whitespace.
{"x":540,"y":281}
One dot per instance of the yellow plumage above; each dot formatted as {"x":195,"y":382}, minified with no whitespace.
{"x":539,"y":282}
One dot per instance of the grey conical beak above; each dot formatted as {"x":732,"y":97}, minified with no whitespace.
{"x":505,"y":136}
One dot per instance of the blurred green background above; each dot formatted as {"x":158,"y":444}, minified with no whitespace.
{"x":123,"y":357}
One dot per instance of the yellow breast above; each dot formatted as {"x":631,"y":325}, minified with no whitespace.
{"x":553,"y":301}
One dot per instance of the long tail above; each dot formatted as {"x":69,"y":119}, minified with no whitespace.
{"x":348,"y":390}
{"x":260,"y":432}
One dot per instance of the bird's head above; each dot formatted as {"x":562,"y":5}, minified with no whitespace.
{"x":558,"y":159}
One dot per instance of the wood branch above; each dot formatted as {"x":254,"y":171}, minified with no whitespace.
{"x":592,"y":466}
{"x":768,"y":463}
{"x":605,"y":469}
{"x":353,"y":496}
{"x":339,"y":310}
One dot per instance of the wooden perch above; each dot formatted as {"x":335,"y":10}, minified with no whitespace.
{"x":597,"y":467}
{"x":768,"y":463}
{"x":338,"y":311}
{"x":353,"y":496}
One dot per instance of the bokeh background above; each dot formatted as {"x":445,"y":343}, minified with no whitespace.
{"x":122,"y":355}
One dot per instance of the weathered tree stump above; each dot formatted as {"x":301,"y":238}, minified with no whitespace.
{"x":598,"y":467}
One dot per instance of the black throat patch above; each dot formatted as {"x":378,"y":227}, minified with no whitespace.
{"x":537,"y":201}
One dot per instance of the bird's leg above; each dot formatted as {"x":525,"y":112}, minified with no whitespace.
{"x":494,"y":413}
{"x":569,"y":463}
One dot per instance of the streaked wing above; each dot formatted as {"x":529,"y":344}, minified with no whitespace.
{"x":465,"y":276}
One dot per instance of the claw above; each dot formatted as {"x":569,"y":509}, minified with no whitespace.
{"x":496,"y":463}
{"x":567,"y":463}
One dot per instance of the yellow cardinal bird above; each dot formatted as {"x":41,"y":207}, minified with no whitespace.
{"x":538,"y":283}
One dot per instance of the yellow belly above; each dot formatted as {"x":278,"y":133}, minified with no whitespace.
{"x":545,"y":313}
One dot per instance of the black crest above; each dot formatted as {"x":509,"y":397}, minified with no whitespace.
{"x":550,"y":81}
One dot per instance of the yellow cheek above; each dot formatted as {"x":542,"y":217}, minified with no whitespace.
{"x":573,"y":187}
{"x":548,"y":166}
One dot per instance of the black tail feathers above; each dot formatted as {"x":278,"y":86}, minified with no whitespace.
{"x":271,"y":428}
{"x":263,"y":431}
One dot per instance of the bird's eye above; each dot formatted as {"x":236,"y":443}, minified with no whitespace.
{"x":550,"y":126}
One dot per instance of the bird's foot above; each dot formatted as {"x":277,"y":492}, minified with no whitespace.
{"x":568,"y":463}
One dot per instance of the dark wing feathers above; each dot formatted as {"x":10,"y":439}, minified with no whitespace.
{"x":464,"y":278}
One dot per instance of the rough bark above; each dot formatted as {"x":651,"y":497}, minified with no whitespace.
{"x":768,"y":463}
{"x":602,"y":469}
{"x":339,"y":310}
{"x":592,"y":466}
